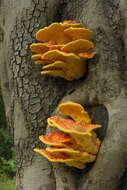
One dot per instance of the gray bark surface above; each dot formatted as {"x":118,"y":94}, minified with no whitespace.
{"x":30,"y":98}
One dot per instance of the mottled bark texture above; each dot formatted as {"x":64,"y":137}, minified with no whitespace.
{"x":30,"y":98}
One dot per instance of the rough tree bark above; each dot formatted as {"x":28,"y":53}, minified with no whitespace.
{"x":30,"y":98}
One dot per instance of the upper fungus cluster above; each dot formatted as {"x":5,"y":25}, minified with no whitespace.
{"x":63,"y":49}
{"x":77,"y":144}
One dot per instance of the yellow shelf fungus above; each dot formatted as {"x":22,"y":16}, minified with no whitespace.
{"x":67,"y":46}
{"x":44,"y":47}
{"x":70,"y":126}
{"x":78,"y":33}
{"x":53,"y":33}
{"x":62,"y":64}
{"x":87,"y":55}
{"x":69,"y":151}
{"x":78,"y":144}
{"x":80,"y":132}
{"x":70,"y":23}
{"x":56,"y":139}
{"x":54,"y":156}
{"x":39,"y":47}
{"x":75,"y":111}
{"x":77,"y":46}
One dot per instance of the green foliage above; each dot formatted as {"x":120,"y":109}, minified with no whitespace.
{"x":7,"y":163}
{"x":2,"y":114}
{"x":7,"y":167}
{"x":7,"y":184}
{"x":5,"y":144}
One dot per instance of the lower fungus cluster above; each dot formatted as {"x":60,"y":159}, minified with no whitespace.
{"x":77,"y":143}
{"x":63,"y":49}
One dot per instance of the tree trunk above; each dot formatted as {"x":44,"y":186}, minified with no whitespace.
{"x":30,"y":98}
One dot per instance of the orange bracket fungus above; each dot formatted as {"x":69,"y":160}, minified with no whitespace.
{"x":63,"y":49}
{"x":77,"y":144}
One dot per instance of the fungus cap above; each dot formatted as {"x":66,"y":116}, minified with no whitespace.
{"x":56,"y":55}
{"x":39,"y":47}
{"x":60,"y":157}
{"x":53,"y":33}
{"x":75,"y":111}
{"x":65,"y":65}
{"x":87,"y":55}
{"x":66,"y":42}
{"x":88,"y":143}
{"x":57,"y":46}
{"x":36,"y":57}
{"x":78,"y":46}
{"x":54,"y":156}
{"x":69,"y":151}
{"x":70,"y":23}
{"x":75,"y":154}
{"x":55,"y":139}
{"x":71,"y":127}
{"x":55,"y":73}
{"x":78,"y":33}
{"x":82,"y":133}
{"x":63,"y":70}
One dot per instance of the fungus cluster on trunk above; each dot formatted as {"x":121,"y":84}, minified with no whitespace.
{"x":76,"y":144}
{"x":63,"y":49}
